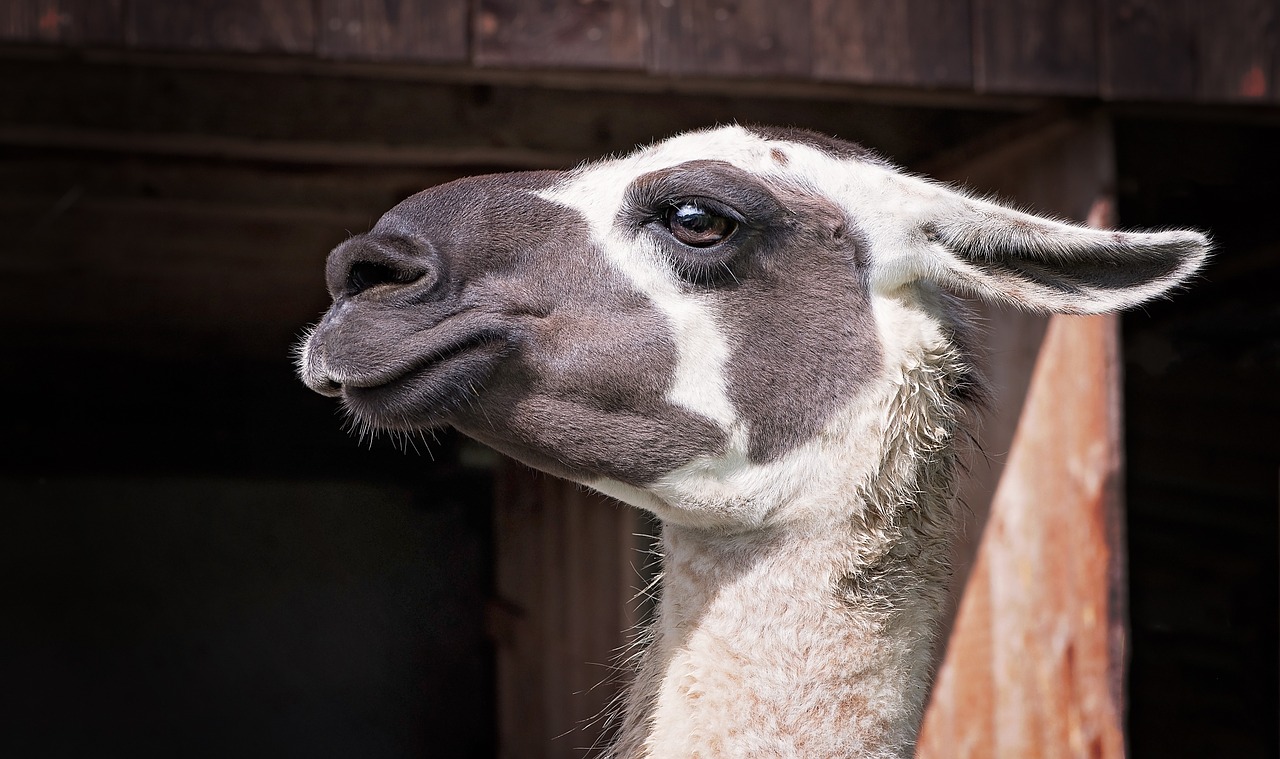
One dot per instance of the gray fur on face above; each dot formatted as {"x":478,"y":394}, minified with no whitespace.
{"x":789,"y":289}
{"x":481,"y":305}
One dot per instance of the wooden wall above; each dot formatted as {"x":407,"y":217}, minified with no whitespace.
{"x":1167,"y":50}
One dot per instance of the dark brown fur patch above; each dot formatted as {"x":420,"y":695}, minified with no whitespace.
{"x":804,"y":340}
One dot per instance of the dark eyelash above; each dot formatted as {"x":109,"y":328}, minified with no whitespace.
{"x":660,"y":209}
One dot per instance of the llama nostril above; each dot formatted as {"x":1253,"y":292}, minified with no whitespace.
{"x":322,"y":383}
{"x":375,"y":261}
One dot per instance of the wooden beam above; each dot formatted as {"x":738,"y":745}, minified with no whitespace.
{"x":284,"y":151}
{"x":1034,"y":666}
{"x":1040,"y":646}
{"x":797,"y":91}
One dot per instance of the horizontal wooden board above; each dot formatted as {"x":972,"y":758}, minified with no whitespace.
{"x":1046,"y":47}
{"x":731,"y":38}
{"x":394,"y":30}
{"x":1148,"y":49}
{"x":303,"y":118}
{"x":591,"y":34}
{"x":894,"y":42}
{"x":249,"y":26}
{"x":1238,"y":50}
{"x":71,"y":22}
{"x":1163,"y":50}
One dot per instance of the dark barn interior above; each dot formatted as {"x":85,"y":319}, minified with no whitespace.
{"x":200,"y":560}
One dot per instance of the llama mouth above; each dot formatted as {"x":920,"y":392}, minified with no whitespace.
{"x":429,"y":390}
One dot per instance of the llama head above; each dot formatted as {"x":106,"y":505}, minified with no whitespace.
{"x":699,"y":327}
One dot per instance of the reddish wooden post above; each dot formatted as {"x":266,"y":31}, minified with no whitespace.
{"x":1035,"y":663}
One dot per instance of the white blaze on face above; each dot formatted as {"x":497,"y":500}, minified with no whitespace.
{"x":728,"y":488}
{"x":597,"y":192}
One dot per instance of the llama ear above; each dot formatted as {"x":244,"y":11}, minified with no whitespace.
{"x":1040,"y":264}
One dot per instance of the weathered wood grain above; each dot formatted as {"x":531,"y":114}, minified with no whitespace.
{"x":1238,"y":45}
{"x":1046,"y":47}
{"x":249,"y":26}
{"x":1148,"y":50}
{"x":394,"y":30}
{"x":286,"y":116}
{"x":894,"y":42}
{"x":593,"y":34}
{"x":731,"y":38}
{"x":69,"y":22}
{"x":1036,"y":663}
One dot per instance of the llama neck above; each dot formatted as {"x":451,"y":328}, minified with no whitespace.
{"x":812,"y":639}
{"x":787,"y":645}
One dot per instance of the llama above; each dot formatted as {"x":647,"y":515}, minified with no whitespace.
{"x":752,"y":333}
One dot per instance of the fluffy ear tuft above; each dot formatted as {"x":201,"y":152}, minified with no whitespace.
{"x":1044,"y":265}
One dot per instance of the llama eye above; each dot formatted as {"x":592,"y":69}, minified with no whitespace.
{"x":697,"y":227}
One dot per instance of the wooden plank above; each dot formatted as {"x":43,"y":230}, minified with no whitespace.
{"x":250,"y":26}
{"x":284,"y":115}
{"x":350,"y":197}
{"x":598,"y":34}
{"x":1035,"y":662}
{"x":1148,"y":50}
{"x":731,"y":38}
{"x":285,"y":151}
{"x":1239,"y":50}
{"x":19,"y":21}
{"x":1044,"y":47}
{"x":1052,"y":565}
{"x":559,"y":620}
{"x":75,"y":22}
{"x":394,"y":30}
{"x":894,"y":42}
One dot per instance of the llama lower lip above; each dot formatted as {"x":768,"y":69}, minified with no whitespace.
{"x":425,"y":395}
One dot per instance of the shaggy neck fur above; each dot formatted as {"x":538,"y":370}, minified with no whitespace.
{"x":814,"y":641}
